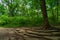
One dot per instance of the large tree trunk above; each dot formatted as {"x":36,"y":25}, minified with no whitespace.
{"x":46,"y":24}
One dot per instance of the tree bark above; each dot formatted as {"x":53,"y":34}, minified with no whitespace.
{"x":46,"y":24}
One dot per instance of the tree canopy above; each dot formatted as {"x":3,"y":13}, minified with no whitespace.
{"x":28,"y":12}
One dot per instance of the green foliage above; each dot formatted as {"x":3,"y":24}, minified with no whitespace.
{"x":24,"y":21}
{"x":3,"y":19}
{"x":18,"y":13}
{"x":19,"y":21}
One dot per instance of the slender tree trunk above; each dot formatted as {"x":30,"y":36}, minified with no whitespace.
{"x":57,"y":9}
{"x":46,"y":24}
{"x":11,"y":9}
{"x":52,"y":10}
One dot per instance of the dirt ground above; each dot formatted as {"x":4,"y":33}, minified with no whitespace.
{"x":8,"y":34}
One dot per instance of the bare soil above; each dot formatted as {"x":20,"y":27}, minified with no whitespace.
{"x":9,"y":34}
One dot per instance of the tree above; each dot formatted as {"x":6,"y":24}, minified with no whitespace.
{"x":57,"y":4}
{"x":46,"y":24}
{"x":12,"y":6}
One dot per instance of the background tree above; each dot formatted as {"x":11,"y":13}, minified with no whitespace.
{"x":29,"y":13}
{"x":46,"y":24}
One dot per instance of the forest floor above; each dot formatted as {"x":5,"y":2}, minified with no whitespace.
{"x":32,"y":33}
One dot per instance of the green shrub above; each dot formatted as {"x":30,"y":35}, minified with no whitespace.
{"x":20,"y":21}
{"x":24,"y":21}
